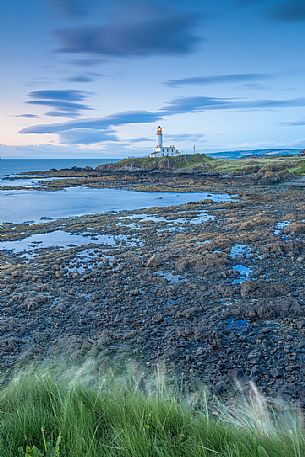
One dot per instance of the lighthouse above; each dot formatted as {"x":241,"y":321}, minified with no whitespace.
{"x":160,"y":150}
{"x":159,"y":137}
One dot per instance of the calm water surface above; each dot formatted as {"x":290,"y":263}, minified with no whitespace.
{"x":31,"y":206}
{"x":10,"y":167}
{"x":18,"y":206}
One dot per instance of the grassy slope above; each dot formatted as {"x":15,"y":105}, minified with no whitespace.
{"x":42,"y":416}
{"x":294,"y":165}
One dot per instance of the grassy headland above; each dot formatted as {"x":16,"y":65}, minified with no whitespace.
{"x":294,"y":165}
{"x":193,"y":172}
{"x":45,"y":415}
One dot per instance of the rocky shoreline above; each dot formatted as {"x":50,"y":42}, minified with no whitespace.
{"x":211,"y":290}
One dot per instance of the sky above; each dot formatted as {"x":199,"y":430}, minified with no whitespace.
{"x":94,"y":78}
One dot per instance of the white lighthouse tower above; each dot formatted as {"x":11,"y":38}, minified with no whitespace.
{"x":159,"y":137}
{"x":160,"y":150}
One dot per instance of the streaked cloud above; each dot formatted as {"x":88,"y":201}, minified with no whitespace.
{"x":69,"y":114}
{"x":117,"y":119}
{"x":289,"y":11}
{"x":203,"y":103}
{"x":87,"y":136}
{"x":92,"y":131}
{"x":74,"y":8}
{"x":27,"y":115}
{"x":218,"y":79}
{"x":141,"y":139}
{"x":84,"y":77}
{"x":61,"y":105}
{"x":64,"y":103}
{"x":66,"y":95}
{"x":87,"y":62}
{"x":189,"y":137}
{"x":294,"y":123}
{"x":135,"y":33}
{"x":279,"y":10}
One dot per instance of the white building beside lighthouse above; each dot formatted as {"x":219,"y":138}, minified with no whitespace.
{"x":160,"y":150}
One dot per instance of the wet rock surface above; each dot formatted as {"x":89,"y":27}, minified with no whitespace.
{"x":168,"y":290}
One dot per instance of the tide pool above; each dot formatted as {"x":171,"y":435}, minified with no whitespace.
{"x":19,"y":206}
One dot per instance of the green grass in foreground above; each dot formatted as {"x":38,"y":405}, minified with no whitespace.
{"x":43,"y":414}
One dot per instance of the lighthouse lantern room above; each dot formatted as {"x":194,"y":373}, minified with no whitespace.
{"x":160,"y":150}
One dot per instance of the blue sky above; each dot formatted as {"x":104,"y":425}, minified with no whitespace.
{"x":93,"y":78}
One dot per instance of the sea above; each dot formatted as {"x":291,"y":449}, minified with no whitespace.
{"x":10,"y":167}
{"x":36,"y":206}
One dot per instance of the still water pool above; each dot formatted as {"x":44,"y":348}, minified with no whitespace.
{"x":18,"y":206}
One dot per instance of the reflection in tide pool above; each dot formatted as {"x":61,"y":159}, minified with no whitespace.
{"x":281,"y":226}
{"x":18,"y":182}
{"x":59,"y":239}
{"x":33,"y":206}
{"x":200,"y":218}
{"x":240,"y":250}
{"x":28,"y":182}
{"x":237,"y":324}
{"x":244,"y":272}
